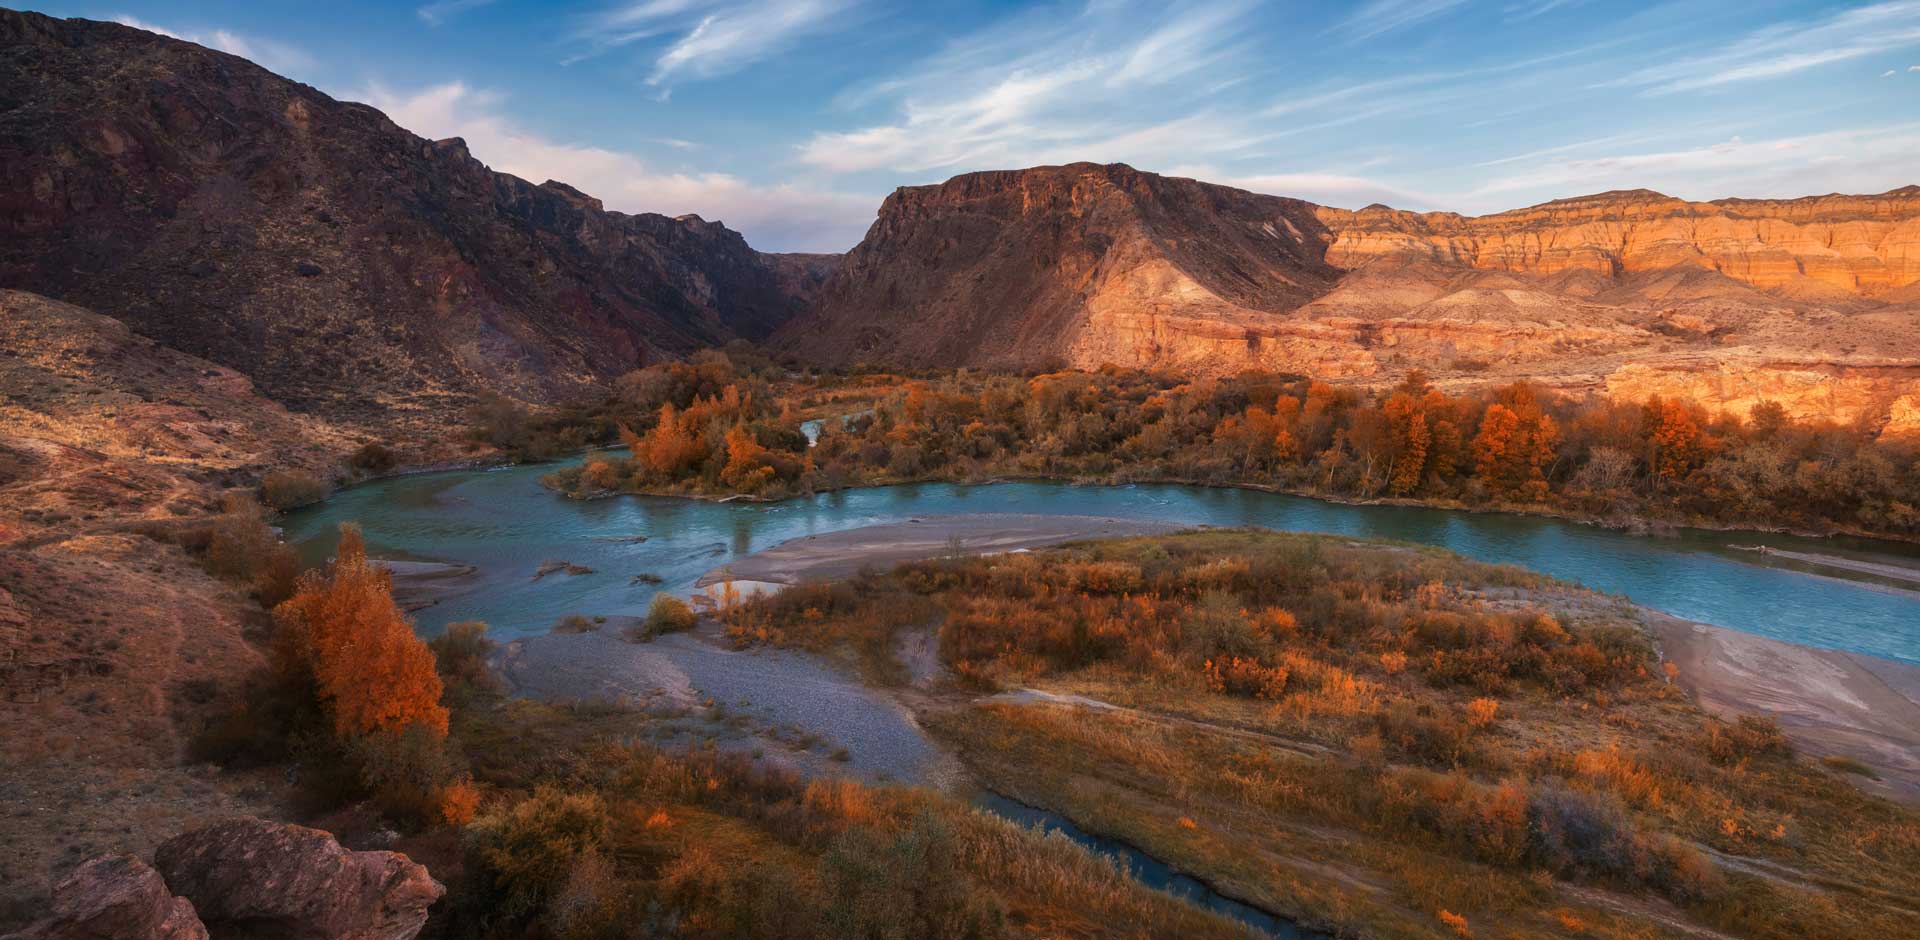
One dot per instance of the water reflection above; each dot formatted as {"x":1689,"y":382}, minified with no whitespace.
{"x":505,"y":523}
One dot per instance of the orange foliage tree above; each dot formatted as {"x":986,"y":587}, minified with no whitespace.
{"x":341,"y":633}
{"x":1675,"y":443}
{"x":1515,"y":444}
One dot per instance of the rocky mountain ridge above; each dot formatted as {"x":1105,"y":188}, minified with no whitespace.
{"x":340,"y":261}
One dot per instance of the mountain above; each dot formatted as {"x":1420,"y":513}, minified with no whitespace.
{"x":1811,"y":302}
{"x":338,"y":260}
{"x":1081,"y":264}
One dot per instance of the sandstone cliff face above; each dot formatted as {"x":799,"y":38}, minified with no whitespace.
{"x":314,"y":245}
{"x":1882,"y":394}
{"x":1860,"y":245}
{"x":1083,"y":264}
{"x":1811,"y":302}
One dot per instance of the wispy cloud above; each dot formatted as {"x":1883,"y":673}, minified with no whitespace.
{"x":781,"y":217}
{"x":1866,"y":159}
{"x":1112,"y":81}
{"x":1520,"y":12}
{"x":434,"y":14}
{"x":277,"y":56}
{"x":1379,"y":17}
{"x":702,"y":39}
{"x":1889,"y":73}
{"x":1324,"y":187}
{"x":1785,"y":49}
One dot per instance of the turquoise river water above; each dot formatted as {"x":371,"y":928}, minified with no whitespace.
{"x":504,"y":522}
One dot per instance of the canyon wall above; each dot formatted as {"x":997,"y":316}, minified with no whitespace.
{"x":1862,"y":245}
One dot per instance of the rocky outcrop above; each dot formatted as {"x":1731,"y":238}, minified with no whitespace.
{"x":251,"y":878}
{"x":1081,"y":264}
{"x":1856,"y":245}
{"x":116,"y":897}
{"x":339,"y":261}
{"x":1883,"y":395}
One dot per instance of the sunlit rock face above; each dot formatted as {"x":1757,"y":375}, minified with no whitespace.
{"x":1860,"y":245}
{"x":1885,"y":396}
{"x":1809,"y":301}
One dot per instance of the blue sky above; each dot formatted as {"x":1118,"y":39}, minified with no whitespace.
{"x":791,"y":119}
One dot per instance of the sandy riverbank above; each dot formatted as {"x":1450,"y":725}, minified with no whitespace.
{"x":1905,"y":574}
{"x":1828,"y":702}
{"x":843,"y":554}
{"x":421,"y":584}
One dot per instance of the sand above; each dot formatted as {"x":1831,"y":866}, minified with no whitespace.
{"x":421,"y":584}
{"x":1827,"y":701}
{"x":843,"y":554}
{"x":1894,"y":571}
{"x":799,"y":710}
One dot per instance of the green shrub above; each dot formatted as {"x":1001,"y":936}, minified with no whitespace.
{"x":527,"y":853}
{"x":460,"y":654}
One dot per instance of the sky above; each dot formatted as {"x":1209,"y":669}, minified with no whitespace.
{"x":791,"y":119}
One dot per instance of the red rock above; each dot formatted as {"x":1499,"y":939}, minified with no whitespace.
{"x":116,"y":897}
{"x":250,"y":877}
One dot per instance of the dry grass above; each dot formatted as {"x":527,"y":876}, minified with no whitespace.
{"x":1417,"y":734}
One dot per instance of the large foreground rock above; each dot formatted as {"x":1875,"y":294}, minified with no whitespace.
{"x":250,"y":878}
{"x":116,"y":897}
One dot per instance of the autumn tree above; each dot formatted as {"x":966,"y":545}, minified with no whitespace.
{"x":342,"y":635}
{"x":1675,"y":443}
{"x":670,"y":448}
{"x":1515,"y":443}
{"x":746,"y":469}
{"x":1409,"y":437}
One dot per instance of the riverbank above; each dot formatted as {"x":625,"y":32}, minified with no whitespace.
{"x":1830,"y":703}
{"x":1907,"y":575}
{"x":837,"y":555}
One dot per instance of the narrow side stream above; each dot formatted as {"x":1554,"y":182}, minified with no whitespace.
{"x":1149,"y":870}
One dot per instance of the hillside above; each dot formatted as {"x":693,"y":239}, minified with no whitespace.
{"x":1075,"y":263}
{"x":1807,"y":302}
{"x":338,"y":260}
{"x":117,"y":643}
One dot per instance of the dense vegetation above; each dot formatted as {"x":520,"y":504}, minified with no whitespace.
{"x":710,"y":427}
{"x":1393,"y":741}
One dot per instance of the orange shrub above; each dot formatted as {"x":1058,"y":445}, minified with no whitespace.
{"x":1246,"y":677}
{"x":342,"y":632}
{"x":1455,"y":923}
{"x":1481,"y":712}
{"x":459,"y":802}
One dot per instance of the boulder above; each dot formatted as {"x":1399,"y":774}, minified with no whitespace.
{"x":251,"y":878}
{"x":116,"y":897}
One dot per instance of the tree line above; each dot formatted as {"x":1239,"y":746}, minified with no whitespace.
{"x":709,"y":426}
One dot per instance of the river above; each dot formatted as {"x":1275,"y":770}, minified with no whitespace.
{"x":502,"y":521}
{"x":506,"y":525}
